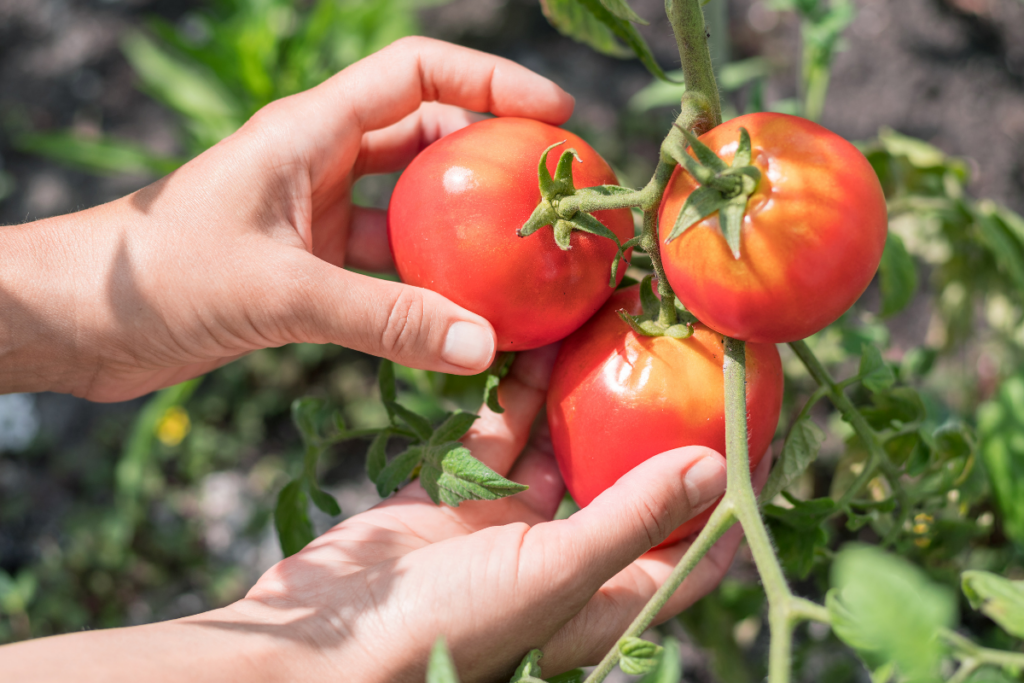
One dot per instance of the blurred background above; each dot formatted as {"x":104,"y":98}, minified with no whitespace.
{"x":162,"y":507}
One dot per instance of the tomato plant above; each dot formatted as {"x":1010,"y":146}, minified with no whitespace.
{"x":608,"y":379}
{"x":811,"y":240}
{"x":452,"y":225}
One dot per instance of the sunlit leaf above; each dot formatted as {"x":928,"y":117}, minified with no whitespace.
{"x":291,"y":519}
{"x":1001,"y":600}
{"x":638,"y":656}
{"x":799,"y":451}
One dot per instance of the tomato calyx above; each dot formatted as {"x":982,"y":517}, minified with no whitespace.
{"x":723,"y":188}
{"x":565,"y":216}
{"x":647,"y":325}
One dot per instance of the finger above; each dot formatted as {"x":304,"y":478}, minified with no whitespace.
{"x":600,"y":624}
{"x":627,"y":520}
{"x":368,"y":247}
{"x":391,"y":149}
{"x":497,"y":439}
{"x":538,"y":469}
{"x":320,"y":303}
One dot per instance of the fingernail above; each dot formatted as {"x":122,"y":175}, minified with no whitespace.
{"x":704,"y":482}
{"x":468,"y":345}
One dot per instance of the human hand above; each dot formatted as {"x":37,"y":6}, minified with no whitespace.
{"x":496,"y":578}
{"x":243,"y":247}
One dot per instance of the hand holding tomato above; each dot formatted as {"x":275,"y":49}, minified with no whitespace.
{"x":243,"y":247}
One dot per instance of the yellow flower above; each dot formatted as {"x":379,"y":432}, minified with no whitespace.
{"x":173,"y":426}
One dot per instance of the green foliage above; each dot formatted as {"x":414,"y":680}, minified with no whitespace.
{"x":639,"y":656}
{"x":1001,"y":600}
{"x":441,"y":669}
{"x":228,"y":61}
{"x":1001,"y":430}
{"x":889,"y":612}
{"x":601,"y":24}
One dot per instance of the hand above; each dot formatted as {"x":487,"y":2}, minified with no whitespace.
{"x":243,"y":247}
{"x":496,"y":578}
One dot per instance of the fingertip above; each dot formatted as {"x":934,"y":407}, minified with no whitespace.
{"x":469,"y":345}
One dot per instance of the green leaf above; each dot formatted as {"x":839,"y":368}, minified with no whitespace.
{"x":999,"y":599}
{"x":419,"y":424}
{"x":398,"y":470}
{"x":388,"y":390}
{"x":799,"y":451}
{"x":211,"y":112}
{"x":453,"y":428}
{"x":875,"y":373}
{"x":889,"y":611}
{"x":572,"y":19}
{"x":670,"y":666}
{"x":441,"y":669}
{"x":574,"y":676}
{"x":625,"y":31}
{"x":798,"y":532}
{"x":897,"y":275}
{"x":17,"y":593}
{"x":103,"y":156}
{"x":898,"y":406}
{"x":638,"y":656}
{"x":528,"y":670}
{"x":452,"y":474}
{"x":376,"y":456}
{"x":324,"y":501}
{"x":291,"y":519}
{"x":494,"y":376}
{"x":701,"y":203}
{"x":1000,"y":424}
{"x":1002,"y":244}
{"x":622,"y":10}
{"x":307,"y":415}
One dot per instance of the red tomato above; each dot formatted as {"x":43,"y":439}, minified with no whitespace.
{"x":452,"y":225}
{"x":618,"y":398}
{"x":811,"y":241}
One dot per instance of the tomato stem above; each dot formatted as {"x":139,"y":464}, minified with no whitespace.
{"x":687,"y":19}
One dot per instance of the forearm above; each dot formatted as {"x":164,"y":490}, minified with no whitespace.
{"x":229,"y":644}
{"x":55,"y":275}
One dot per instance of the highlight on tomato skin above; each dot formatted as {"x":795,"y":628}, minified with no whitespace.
{"x":452,"y":224}
{"x":811,"y":241}
{"x":617,"y":398}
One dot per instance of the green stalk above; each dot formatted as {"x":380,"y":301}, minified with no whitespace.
{"x":721,"y":520}
{"x":687,"y":19}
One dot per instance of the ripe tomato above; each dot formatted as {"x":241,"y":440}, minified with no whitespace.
{"x":452,"y":226}
{"x":811,"y":241}
{"x":617,"y":398}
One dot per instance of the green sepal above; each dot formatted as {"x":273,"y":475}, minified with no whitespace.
{"x":542,"y":216}
{"x":563,"y":234}
{"x":705,"y":155}
{"x":701,"y":174}
{"x":563,"y":173}
{"x":648,"y":299}
{"x":646,"y":328}
{"x":494,"y":376}
{"x":743,"y":151}
{"x":620,"y":257}
{"x":548,"y":188}
{"x":730,"y":219}
{"x":528,"y":670}
{"x":584,"y":222}
{"x":701,"y":203}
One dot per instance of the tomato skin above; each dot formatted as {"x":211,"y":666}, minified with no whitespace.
{"x":452,"y":225}
{"x":617,"y":398}
{"x":812,"y":236}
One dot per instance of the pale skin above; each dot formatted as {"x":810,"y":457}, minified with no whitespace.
{"x":241,"y":249}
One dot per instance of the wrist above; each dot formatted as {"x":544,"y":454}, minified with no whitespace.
{"x":49,"y":277}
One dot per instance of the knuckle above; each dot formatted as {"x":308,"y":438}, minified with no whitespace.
{"x":407,"y":324}
{"x":654,"y":519}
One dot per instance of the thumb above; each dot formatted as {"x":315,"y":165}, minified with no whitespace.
{"x":409,"y":325}
{"x":637,"y":513}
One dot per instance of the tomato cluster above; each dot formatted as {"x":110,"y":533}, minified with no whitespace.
{"x":811,"y":239}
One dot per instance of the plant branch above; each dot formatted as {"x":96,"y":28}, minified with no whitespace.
{"x":721,"y":520}
{"x":687,"y":19}
{"x":966,"y":650}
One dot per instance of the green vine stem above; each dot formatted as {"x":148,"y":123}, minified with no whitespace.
{"x":687,"y":19}
{"x":972,"y":655}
